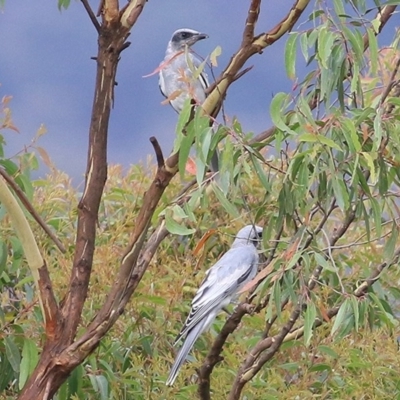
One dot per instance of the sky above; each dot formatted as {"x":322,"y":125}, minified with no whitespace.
{"x":46,"y":67}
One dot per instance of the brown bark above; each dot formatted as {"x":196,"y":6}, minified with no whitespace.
{"x":56,"y":362}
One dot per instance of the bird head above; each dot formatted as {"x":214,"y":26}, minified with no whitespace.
{"x":250,"y":233}
{"x":186,"y":37}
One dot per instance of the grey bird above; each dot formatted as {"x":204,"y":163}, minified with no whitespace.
{"x":178,"y":76}
{"x":222,"y":283}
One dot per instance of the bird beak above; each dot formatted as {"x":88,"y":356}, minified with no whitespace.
{"x":196,"y":38}
{"x":201,"y":36}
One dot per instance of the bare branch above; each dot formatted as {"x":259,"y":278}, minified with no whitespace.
{"x":131,"y":12}
{"x":383,"y":17}
{"x":91,"y":15}
{"x":216,"y":96}
{"x":100,"y":8}
{"x":266,"y":39}
{"x":252,"y":17}
{"x":263,"y":136}
{"x":25,"y":201}
{"x":158,"y":151}
{"x":241,"y":73}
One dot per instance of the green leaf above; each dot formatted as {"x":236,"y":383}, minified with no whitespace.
{"x":184,"y":149}
{"x":278,"y":104}
{"x":390,"y":245}
{"x":356,"y":42}
{"x":277,"y":297}
{"x":229,"y":207}
{"x":63,"y":4}
{"x":371,"y":165}
{"x":75,"y":382}
{"x":339,"y":9}
{"x":100,"y":385}
{"x":29,"y":361}
{"x":348,"y":126}
{"x":309,"y":320}
{"x":342,"y":315}
{"x":309,"y":137}
{"x":377,"y":213}
{"x":373,"y":50}
{"x":328,"y":351}
{"x":354,"y":304}
{"x":377,"y":130}
{"x":184,"y":116}
{"x":13,"y":354}
{"x":175,"y":228}
{"x":290,"y":55}
{"x":324,"y":263}
{"x":304,"y":45}
{"x":3,"y":256}
{"x":325,"y":42}
{"x":214,"y":55}
{"x":340,"y":190}
{"x":6,"y":373}
{"x":320,"y":368}
{"x":178,"y":212}
{"x":260,"y":173}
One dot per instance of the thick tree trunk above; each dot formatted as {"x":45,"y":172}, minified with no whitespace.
{"x":58,"y":359}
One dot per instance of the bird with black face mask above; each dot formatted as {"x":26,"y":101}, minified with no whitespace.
{"x":221,"y":286}
{"x":179,"y":78}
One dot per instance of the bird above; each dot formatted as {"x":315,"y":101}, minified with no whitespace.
{"x":180,"y":77}
{"x":221,"y":286}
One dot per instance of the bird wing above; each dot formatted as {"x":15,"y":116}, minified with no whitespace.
{"x":203,"y":77}
{"x":161,"y":83}
{"x":222,"y":281}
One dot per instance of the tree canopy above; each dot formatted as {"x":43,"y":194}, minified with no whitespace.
{"x":95,"y":285}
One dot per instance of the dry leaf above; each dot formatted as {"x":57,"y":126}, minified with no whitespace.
{"x":203,"y":240}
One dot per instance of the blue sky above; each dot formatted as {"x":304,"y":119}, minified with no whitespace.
{"x":45,"y":65}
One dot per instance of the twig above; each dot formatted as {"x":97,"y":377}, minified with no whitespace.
{"x":100,"y":9}
{"x":25,"y":201}
{"x":241,"y":73}
{"x":383,"y":16}
{"x":158,"y":151}
{"x":91,"y":15}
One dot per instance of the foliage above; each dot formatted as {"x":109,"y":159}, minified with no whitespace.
{"x":325,"y":185}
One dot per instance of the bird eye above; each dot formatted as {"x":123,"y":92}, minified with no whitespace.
{"x":185,"y":35}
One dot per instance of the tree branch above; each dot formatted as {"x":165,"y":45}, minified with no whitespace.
{"x":91,"y":15}
{"x":158,"y":151}
{"x":251,"y":21}
{"x":131,"y":12}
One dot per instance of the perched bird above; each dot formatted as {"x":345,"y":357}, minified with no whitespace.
{"x":178,"y":75}
{"x":221,"y":285}
{"x":177,"y":78}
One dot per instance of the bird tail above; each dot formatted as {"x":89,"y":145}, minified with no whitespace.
{"x":187,"y":345}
